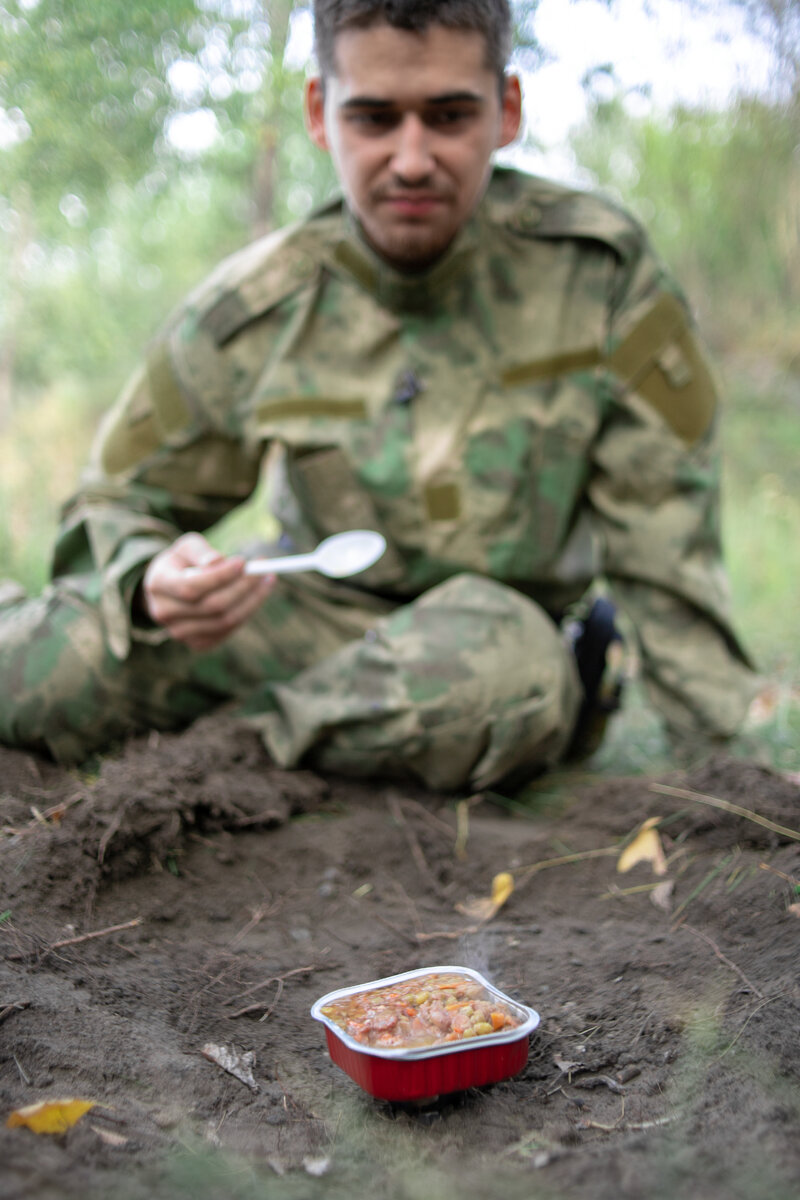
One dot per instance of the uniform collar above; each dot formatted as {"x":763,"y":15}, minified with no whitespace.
{"x":392,"y":288}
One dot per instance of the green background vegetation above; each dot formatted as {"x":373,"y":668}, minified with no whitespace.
{"x":105,"y":223}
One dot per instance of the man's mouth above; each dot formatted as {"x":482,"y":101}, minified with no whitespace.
{"x":413,"y":205}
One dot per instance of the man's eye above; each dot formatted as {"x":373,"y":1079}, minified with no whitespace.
{"x":448,"y":118}
{"x":375,"y":122}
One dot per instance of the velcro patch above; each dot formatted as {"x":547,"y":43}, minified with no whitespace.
{"x":299,"y":408}
{"x":169,"y":403}
{"x":551,"y":367}
{"x":661,"y":361}
{"x":443,"y":501}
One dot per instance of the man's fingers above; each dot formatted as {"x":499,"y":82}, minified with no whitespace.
{"x":198,"y":595}
{"x":207,"y":629}
{"x":193,"y":583}
{"x":195,"y":598}
{"x":192,"y":550}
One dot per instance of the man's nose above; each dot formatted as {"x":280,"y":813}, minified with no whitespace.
{"x":412,"y":160}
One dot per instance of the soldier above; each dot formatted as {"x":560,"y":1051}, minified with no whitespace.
{"x":494,"y":371}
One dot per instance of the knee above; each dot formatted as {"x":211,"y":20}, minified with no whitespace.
{"x":52,"y":658}
{"x":493,"y":687}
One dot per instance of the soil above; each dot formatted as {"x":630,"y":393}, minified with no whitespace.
{"x":227,"y":895}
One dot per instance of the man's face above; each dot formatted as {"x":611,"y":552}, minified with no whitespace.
{"x":411,"y":121}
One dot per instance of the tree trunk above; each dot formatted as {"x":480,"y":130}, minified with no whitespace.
{"x":20,"y":240}
{"x":278,"y":13}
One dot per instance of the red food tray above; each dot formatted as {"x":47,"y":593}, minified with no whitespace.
{"x":429,"y":1071}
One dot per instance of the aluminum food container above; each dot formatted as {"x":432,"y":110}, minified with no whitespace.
{"x":429,"y":1071}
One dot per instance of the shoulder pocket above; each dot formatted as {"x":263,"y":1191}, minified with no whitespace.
{"x":661,"y":361}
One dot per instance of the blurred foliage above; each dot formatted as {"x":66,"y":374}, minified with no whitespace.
{"x":776,"y":22}
{"x":720,"y":194}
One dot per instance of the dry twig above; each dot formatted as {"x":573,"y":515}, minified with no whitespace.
{"x":432,"y":819}
{"x":451,"y":934}
{"x":10,"y":1009}
{"x":255,"y":987}
{"x":757,"y":1009}
{"x":86,"y":937}
{"x":258,"y":914}
{"x":587,"y":1124}
{"x":407,"y":901}
{"x":268,"y":1009}
{"x":600,"y":1081}
{"x":413,"y":844}
{"x":629,"y":1126}
{"x":407,"y":937}
{"x":724,"y":959}
{"x":83,"y":937}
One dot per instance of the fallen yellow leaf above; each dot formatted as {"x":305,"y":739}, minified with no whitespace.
{"x":502,"y":887}
{"x":484,"y":909}
{"x":50,"y":1116}
{"x":645,"y":847}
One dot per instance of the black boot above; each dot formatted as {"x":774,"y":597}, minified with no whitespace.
{"x":599,"y":651}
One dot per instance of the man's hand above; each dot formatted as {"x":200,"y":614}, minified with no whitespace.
{"x":198,"y":595}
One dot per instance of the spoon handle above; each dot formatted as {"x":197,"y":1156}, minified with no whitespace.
{"x":281,"y":566}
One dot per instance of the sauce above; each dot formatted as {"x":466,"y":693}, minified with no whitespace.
{"x":424,"y":1011}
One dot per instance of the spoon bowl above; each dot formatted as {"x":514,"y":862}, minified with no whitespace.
{"x":337,"y":556}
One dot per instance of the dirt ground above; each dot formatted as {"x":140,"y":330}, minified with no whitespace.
{"x":667,"y":1062}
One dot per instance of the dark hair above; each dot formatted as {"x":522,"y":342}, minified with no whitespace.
{"x":491,"y":18}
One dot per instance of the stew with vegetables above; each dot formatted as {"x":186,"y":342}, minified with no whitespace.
{"x":422,"y":1011}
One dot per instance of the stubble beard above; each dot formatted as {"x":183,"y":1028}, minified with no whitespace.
{"x":410,"y":247}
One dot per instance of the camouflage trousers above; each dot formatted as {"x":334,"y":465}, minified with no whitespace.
{"x":459,"y":688}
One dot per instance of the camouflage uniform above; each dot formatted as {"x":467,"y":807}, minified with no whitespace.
{"x":531,"y":413}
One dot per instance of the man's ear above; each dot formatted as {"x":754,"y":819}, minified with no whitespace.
{"x":510,"y":111}
{"x":314,"y":110}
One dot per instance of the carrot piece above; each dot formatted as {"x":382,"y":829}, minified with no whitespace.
{"x":498,"y":1020}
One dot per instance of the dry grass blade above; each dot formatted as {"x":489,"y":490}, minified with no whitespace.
{"x":702,"y":885}
{"x":781,"y":874}
{"x":726,"y":806}
{"x":615,"y":892}
{"x":523,"y":873}
{"x":462,"y":830}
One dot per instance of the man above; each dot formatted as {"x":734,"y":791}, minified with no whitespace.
{"x":492,"y":370}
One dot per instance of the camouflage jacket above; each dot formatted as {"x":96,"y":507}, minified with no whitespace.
{"x":534,"y":408}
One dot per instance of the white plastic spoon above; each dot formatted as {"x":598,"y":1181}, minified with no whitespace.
{"x":339,"y":555}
